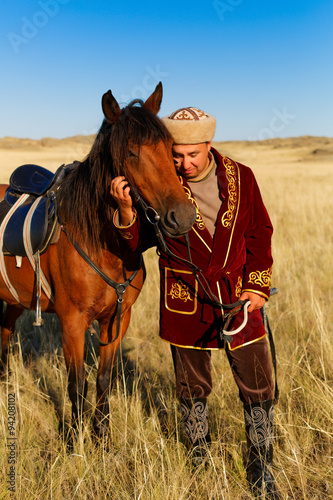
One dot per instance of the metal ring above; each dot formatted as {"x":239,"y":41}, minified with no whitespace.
{"x":155,"y":216}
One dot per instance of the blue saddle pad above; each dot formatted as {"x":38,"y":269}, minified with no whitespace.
{"x":13,"y":236}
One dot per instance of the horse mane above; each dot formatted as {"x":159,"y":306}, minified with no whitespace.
{"x":85,"y":203}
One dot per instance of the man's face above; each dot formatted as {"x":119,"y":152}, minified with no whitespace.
{"x":191,"y":159}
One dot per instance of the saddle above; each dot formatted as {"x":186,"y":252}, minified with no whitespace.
{"x":39,"y":186}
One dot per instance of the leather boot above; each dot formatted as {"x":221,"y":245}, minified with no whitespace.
{"x":195,"y":420}
{"x":259,"y":433}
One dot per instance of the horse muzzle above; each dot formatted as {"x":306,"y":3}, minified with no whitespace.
{"x":178,"y":220}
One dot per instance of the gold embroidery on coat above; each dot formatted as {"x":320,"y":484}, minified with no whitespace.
{"x":179,"y":307}
{"x":199,"y":220}
{"x":228,"y":216}
{"x":180,"y":291}
{"x":262,"y":278}
{"x":235,"y":218}
{"x":238,"y":288}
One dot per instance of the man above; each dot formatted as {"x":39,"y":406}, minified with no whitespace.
{"x":231,"y":243}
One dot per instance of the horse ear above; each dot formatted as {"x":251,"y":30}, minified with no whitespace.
{"x":154,"y":101}
{"x":110,"y":107}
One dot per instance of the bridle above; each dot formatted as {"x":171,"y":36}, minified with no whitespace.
{"x":230,"y":309}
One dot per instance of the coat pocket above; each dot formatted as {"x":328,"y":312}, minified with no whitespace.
{"x":180,"y":291}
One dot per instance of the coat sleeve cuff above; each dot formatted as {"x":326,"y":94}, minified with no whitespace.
{"x":262,"y":294}
{"x":126,"y":232}
{"x":116,"y":222}
{"x":258,"y":282}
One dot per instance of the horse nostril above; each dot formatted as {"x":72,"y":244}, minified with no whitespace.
{"x":171,"y":219}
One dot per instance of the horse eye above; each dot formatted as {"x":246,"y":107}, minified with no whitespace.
{"x":131,"y":154}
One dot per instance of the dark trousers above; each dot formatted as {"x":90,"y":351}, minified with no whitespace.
{"x":251,"y":366}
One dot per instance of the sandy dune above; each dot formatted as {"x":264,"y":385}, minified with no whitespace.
{"x":51,"y":153}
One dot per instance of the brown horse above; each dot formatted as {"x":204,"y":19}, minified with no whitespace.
{"x":132,"y":138}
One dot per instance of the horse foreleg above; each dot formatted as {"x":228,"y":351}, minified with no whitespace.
{"x":7,"y":329}
{"x":73,"y":346}
{"x":107,"y":356}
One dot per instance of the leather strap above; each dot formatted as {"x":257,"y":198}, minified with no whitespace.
{"x":119,"y":287}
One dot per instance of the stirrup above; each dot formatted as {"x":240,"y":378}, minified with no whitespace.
{"x":38,"y":321}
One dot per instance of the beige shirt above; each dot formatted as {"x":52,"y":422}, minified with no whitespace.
{"x":206,"y":192}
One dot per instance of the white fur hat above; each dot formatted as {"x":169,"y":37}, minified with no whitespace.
{"x":190,"y":126}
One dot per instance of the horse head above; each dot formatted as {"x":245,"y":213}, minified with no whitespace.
{"x":141,"y":147}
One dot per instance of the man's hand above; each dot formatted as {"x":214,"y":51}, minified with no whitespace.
{"x":120,"y":192}
{"x":257,"y":301}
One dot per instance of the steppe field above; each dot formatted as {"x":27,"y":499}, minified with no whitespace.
{"x":144,"y":457}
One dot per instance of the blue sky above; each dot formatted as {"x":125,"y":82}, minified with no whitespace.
{"x":263,"y":68}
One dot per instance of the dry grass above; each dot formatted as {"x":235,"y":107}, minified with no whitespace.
{"x":144,"y":458}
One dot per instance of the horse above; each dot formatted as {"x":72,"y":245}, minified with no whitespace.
{"x":131,"y":140}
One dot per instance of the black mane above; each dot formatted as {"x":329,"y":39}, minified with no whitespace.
{"x":85,"y":201}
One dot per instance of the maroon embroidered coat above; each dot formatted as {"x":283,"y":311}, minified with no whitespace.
{"x":238,"y":258}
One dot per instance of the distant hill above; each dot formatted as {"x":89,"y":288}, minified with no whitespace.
{"x":51,"y":153}
{"x":305,"y":147}
{"x":311,"y":146}
{"x":46,"y":142}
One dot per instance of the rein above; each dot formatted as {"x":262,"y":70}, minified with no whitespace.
{"x":232,"y":309}
{"x":120,"y":288}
